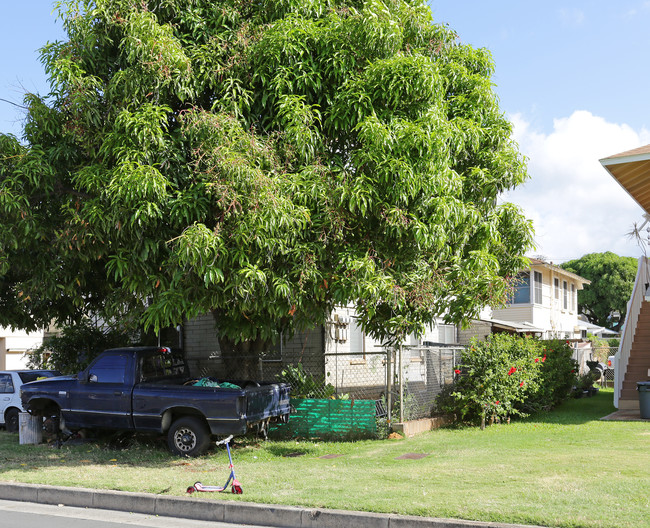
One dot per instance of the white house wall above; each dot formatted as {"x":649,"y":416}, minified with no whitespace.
{"x":14,"y":345}
{"x":352,"y":359}
{"x":355,"y":360}
{"x":517,"y":313}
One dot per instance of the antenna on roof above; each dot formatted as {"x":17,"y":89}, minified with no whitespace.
{"x":642,"y":241}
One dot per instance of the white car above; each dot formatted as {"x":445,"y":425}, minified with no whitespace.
{"x":10,"y":383}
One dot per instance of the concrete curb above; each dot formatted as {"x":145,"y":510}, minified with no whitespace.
{"x":225,"y":510}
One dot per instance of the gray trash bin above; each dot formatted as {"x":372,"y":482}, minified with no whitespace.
{"x":644,"y":398}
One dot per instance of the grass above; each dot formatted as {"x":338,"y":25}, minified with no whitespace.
{"x":565,"y":468}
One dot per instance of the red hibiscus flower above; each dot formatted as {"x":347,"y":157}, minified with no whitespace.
{"x":512,"y":371}
{"x":457,"y":371}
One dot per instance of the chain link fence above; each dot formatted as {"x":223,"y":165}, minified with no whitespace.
{"x":586,"y":354}
{"x":420,"y":374}
{"x":405,"y":381}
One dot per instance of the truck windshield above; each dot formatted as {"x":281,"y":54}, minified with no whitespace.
{"x":161,"y":365}
{"x":34,"y":375}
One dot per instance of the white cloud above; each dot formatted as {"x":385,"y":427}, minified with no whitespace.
{"x":576,"y":206}
{"x":572,"y":17}
{"x":634,"y":11}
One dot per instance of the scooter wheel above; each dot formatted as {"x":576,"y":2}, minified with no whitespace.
{"x":237,"y":490}
{"x":191,"y":490}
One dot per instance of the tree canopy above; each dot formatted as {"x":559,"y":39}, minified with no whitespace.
{"x":612,"y":280}
{"x":263,"y":161}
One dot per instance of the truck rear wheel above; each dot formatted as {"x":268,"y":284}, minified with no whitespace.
{"x":188,"y":436}
{"x":11,"y":420}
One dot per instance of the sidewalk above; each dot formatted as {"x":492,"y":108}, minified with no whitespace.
{"x":207,"y":509}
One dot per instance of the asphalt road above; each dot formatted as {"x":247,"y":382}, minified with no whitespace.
{"x":30,"y":515}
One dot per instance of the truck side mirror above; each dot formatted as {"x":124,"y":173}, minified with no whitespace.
{"x":92,"y":378}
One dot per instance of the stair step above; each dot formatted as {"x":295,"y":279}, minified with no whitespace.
{"x":639,"y":354}
{"x":629,"y":391}
{"x":636,"y":375}
{"x":628,"y":403}
{"x":638,"y":363}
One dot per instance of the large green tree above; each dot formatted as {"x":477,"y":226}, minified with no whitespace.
{"x":263,"y":161}
{"x":612,"y":279}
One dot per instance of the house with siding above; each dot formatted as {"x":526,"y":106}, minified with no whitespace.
{"x":543,"y":303}
{"x":545,"y":297}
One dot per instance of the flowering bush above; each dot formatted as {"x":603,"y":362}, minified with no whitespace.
{"x":497,"y":375}
{"x":509,"y":375}
{"x":557,"y":376}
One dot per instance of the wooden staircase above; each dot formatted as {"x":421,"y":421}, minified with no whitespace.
{"x":638,"y":368}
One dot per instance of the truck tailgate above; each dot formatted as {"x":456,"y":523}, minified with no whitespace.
{"x":267,"y":401}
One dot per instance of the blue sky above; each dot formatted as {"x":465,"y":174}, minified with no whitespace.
{"x":555,"y":57}
{"x":571,"y":75}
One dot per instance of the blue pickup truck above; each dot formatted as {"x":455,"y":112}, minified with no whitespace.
{"x":148,"y":389}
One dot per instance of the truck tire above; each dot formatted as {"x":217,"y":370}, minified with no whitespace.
{"x":188,"y":436}
{"x":11,"y":420}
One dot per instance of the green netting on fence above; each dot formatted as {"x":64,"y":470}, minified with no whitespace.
{"x":329,"y":418}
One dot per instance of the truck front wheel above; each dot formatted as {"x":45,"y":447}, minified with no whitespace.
{"x":11,"y":420}
{"x":188,"y":436}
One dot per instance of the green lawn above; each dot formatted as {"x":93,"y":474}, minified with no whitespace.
{"x":566,"y":468}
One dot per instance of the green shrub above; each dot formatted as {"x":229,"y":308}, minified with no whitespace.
{"x":584,"y":383}
{"x":76,"y":346}
{"x":495,"y":378}
{"x":510,"y":375}
{"x":557,"y":376}
{"x":304,"y":384}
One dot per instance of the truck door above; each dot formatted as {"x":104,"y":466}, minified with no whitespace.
{"x":104,"y":400}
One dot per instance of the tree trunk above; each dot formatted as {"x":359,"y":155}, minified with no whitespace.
{"x":242,"y":360}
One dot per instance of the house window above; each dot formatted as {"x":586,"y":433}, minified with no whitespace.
{"x":574,"y":300}
{"x":537,"y":291}
{"x":566,"y":295}
{"x":447,"y":334}
{"x":357,"y":341}
{"x":556,"y":283}
{"x":521,"y":293}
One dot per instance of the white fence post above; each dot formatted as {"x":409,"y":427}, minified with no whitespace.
{"x":30,"y":429}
